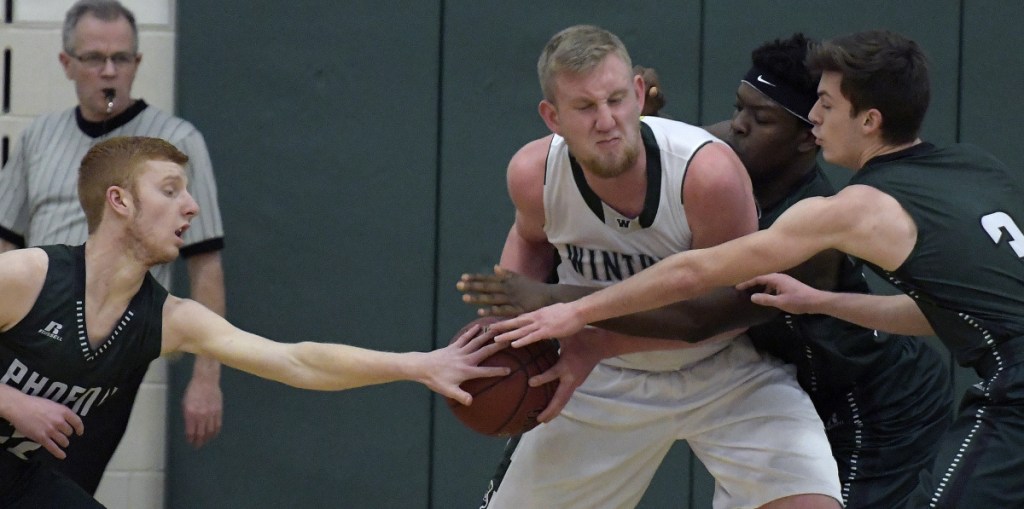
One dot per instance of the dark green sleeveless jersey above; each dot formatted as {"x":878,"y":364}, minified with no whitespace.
{"x":831,"y":355}
{"x":966,"y":270}
{"x":47,"y":354}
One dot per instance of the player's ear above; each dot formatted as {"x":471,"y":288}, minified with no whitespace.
{"x":640,"y":89}
{"x":872,"y":121}
{"x":549,"y":113}
{"x":119,"y":199}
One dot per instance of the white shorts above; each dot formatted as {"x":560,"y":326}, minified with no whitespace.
{"x":743,"y":415}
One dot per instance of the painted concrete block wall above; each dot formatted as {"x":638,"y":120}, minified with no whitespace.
{"x":31,"y":33}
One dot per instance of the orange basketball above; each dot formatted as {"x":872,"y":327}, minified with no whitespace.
{"x":505,"y":406}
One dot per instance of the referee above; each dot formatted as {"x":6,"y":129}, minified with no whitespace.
{"x":39,"y":200}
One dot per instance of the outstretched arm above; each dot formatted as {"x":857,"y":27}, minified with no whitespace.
{"x":507,"y":293}
{"x":190,"y":327}
{"x":859,"y":221}
{"x":897,"y":314}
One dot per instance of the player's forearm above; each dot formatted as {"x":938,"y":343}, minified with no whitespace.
{"x":190,"y":327}
{"x":670,"y":280}
{"x":897,"y":314}
{"x":332,"y":367}
{"x":318,"y":366}
{"x":718,"y":311}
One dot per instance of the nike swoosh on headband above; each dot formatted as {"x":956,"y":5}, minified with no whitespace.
{"x":766,"y":82}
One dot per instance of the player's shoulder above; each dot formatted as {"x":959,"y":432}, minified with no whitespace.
{"x":178,"y":315}
{"x":865,"y":204}
{"x":180,"y":311}
{"x":27,"y":261}
{"x":855,"y":197}
{"x":525,"y":176}
{"x":855,"y":208}
{"x":181,"y":306}
{"x":716,"y":162}
{"x":531,"y":158}
{"x":187,"y":324}
{"x":22,"y":274}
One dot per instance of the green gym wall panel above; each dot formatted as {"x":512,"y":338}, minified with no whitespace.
{"x":993,"y":78}
{"x":321,"y":121}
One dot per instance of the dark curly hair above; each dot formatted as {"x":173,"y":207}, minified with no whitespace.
{"x":785,"y":59}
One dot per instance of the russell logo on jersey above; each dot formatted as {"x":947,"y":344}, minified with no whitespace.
{"x":52,"y":331}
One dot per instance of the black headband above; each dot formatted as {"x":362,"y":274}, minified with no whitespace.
{"x":792,"y":100}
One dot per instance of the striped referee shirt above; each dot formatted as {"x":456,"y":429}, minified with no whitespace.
{"x":39,"y":185}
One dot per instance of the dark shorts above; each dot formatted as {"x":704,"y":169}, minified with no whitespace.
{"x":980,"y":461}
{"x":884,"y":432}
{"x":33,"y":485}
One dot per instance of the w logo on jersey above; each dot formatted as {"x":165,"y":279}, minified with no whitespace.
{"x":52,"y":331}
{"x":623,"y":224}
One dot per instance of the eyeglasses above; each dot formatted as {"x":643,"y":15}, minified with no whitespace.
{"x":99,"y":60}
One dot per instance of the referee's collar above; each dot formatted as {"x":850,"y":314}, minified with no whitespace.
{"x":104,"y":127}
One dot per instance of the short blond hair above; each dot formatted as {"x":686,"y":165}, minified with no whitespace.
{"x":576,"y":50}
{"x":117,"y":162}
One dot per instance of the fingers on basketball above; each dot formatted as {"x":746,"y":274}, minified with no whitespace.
{"x":506,"y":406}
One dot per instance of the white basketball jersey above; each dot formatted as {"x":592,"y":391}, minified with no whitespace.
{"x":599,"y":246}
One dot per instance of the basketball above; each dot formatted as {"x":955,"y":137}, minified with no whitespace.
{"x":506,"y":406}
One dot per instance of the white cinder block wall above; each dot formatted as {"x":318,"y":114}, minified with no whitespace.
{"x":31,"y":33}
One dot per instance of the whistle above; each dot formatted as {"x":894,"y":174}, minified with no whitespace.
{"x":109,"y":94}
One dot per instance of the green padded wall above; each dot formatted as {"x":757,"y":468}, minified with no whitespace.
{"x":360,"y":149}
{"x":322,"y":124}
